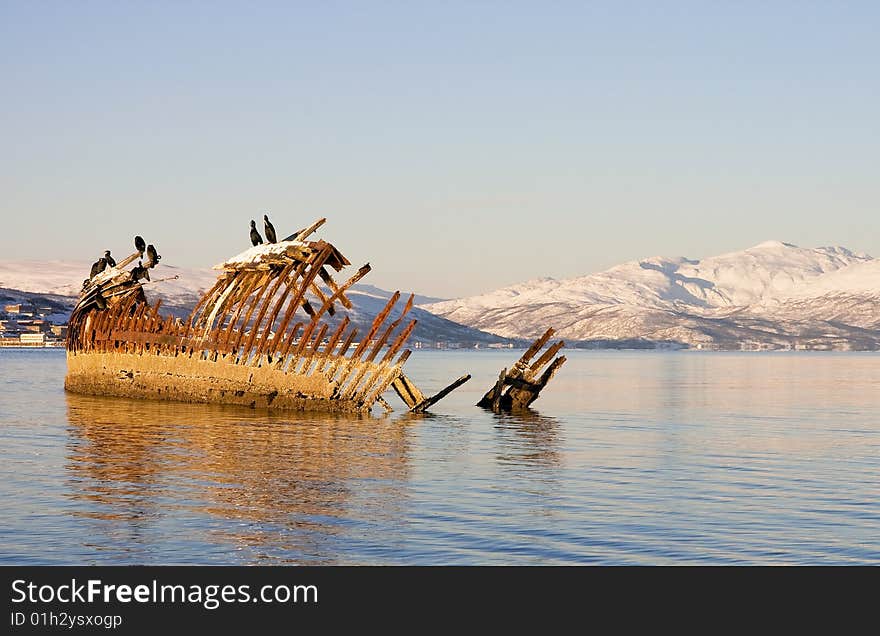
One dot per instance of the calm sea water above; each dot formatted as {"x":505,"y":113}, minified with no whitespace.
{"x":627,"y":458}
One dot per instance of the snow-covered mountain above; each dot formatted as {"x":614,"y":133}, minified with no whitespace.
{"x":773,"y":295}
{"x":57,"y":284}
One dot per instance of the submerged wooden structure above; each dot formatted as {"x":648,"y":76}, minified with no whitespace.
{"x":517,"y":388}
{"x":260,"y":337}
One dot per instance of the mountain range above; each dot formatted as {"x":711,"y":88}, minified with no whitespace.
{"x":771,"y":296}
{"x":56,"y":284}
{"x":774,"y":295}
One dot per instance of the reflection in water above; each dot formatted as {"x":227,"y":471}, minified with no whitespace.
{"x":651,"y":458}
{"x":528,"y":438}
{"x":157,"y":466}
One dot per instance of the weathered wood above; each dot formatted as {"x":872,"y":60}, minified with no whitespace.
{"x":400,"y":341}
{"x":231,"y":332}
{"x":280,"y":278}
{"x":545,"y":358}
{"x":340,"y":355}
{"x":425,"y":404}
{"x":261,"y":289}
{"x":328,"y":280}
{"x":331,"y":343}
{"x":377,"y":322}
{"x":305,"y":281}
{"x":408,"y":392}
{"x":277,"y":339}
{"x":522,"y":390}
{"x":304,"y":233}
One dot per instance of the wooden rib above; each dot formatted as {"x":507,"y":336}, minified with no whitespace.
{"x":263,"y":286}
{"x":381,"y":342}
{"x":253,"y":281}
{"x":377,"y":322}
{"x":208,"y":294}
{"x":282,"y":359}
{"x":290,"y":282}
{"x":328,"y":302}
{"x":128,"y":259}
{"x":322,"y":296}
{"x":304,"y":285}
{"x":313,"y":350}
{"x":522,"y":398}
{"x":499,"y":390}
{"x":340,"y":356}
{"x":536,"y":346}
{"x":382,"y":372}
{"x":331,"y":344}
{"x":544,"y":359}
{"x":408,"y":392}
{"x":232,"y":298}
{"x":488,"y":400}
{"x":400,"y":341}
{"x":280,"y":278}
{"x":217,"y":304}
{"x":328,"y":280}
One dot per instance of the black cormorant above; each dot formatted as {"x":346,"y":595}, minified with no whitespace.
{"x":256,"y":239}
{"x":270,"y":230}
{"x":110,"y":260}
{"x":98,"y":266}
{"x":152,"y":256}
{"x":140,"y":272}
{"x":139,"y":244}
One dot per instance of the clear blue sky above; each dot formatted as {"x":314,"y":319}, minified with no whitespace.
{"x":456,"y":146}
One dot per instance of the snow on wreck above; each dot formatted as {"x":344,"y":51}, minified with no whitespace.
{"x":267,"y":334}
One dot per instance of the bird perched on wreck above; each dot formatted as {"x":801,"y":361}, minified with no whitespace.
{"x":140,"y":244}
{"x":256,"y":239}
{"x":98,"y":266}
{"x":140,"y":272}
{"x":270,"y":230}
{"x":152,"y":256}
{"x":110,"y":260}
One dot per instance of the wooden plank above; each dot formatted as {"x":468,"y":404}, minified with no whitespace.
{"x":493,"y":395}
{"x":304,"y":233}
{"x":407,"y":391}
{"x":424,"y":405}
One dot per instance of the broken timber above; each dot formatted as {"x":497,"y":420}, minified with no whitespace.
{"x":242,"y":343}
{"x":521,"y":382}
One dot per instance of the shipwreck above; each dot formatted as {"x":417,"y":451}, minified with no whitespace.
{"x":271,"y":332}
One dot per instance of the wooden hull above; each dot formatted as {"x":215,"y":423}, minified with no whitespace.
{"x":242,"y":343}
{"x":184,"y":379}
